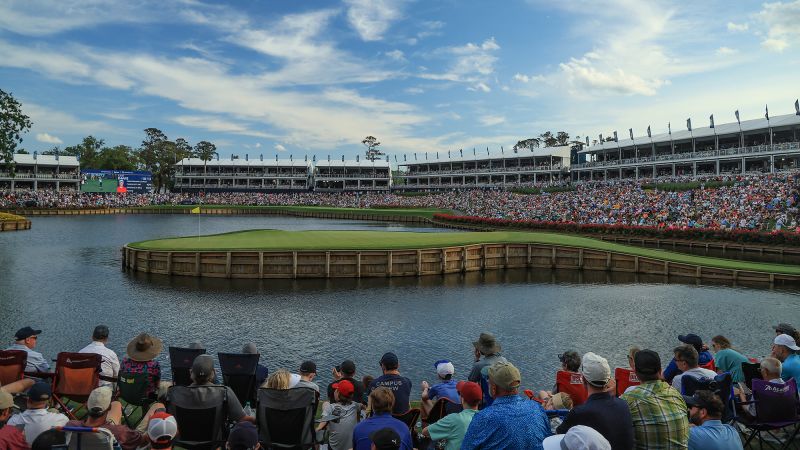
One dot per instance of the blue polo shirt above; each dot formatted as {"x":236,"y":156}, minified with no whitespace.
{"x":714,"y":435}
{"x":377,"y":422}
{"x":445,"y":389}
{"x":791,"y":369}
{"x":512,"y":423}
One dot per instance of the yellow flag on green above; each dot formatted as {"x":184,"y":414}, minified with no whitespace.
{"x":196,"y":210}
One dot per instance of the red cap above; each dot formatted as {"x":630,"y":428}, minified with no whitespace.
{"x":344,"y":387}
{"x":470,"y":391}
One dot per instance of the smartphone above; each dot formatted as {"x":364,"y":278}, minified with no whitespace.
{"x":338,"y":368}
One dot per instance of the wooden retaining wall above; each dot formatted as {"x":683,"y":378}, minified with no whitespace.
{"x":15,"y":225}
{"x":429,"y":261}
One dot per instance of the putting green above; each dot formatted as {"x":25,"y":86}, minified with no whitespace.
{"x":280,"y":240}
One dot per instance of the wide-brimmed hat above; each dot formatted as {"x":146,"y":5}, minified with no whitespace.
{"x":144,"y":347}
{"x":487,"y":344}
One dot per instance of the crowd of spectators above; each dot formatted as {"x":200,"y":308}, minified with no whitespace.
{"x":491,"y":408}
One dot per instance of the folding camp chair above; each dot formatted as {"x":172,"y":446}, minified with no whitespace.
{"x":441,"y":408}
{"x":88,"y":438}
{"x":286,"y":418}
{"x":132,"y":389}
{"x":776,"y":408}
{"x":572,"y":384}
{"x":180,"y":361}
{"x":76,"y":376}
{"x":410,"y":418}
{"x":751,"y":371}
{"x":722,"y":385}
{"x":624,"y":379}
{"x":12,"y":365}
{"x":201,"y":413}
{"x":239,"y":373}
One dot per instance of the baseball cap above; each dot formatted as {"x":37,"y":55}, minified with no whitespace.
{"x":505,"y":375}
{"x":385,"y":439}
{"x":348,"y":366}
{"x":344,"y":387}
{"x":444,"y":367}
{"x":162,"y":427}
{"x":202,"y":366}
{"x":595,"y":369}
{"x":100,"y":332}
{"x":243,"y":436}
{"x":694,"y":400}
{"x":691,"y":339}
{"x":647,"y":362}
{"x":308,"y":367}
{"x":579,"y":437}
{"x":785,"y":328}
{"x":40,"y":392}
{"x":99,"y":399}
{"x":787,"y":341}
{"x":389,"y":360}
{"x":249,"y":348}
{"x":470,"y":391}
{"x":25,"y":333}
{"x":6,"y":400}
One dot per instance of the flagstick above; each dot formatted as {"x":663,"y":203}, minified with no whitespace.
{"x":198,"y":225}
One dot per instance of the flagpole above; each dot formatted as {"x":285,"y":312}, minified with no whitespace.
{"x":198,"y":225}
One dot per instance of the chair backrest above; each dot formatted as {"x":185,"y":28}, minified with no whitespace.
{"x":88,"y":438}
{"x":751,"y":371}
{"x":409,"y":418}
{"x":441,"y":408}
{"x":776,"y":404}
{"x":624,"y":379}
{"x":180,"y":361}
{"x":133,"y":388}
{"x":572,"y":384}
{"x":722,"y":385}
{"x":201,"y":413}
{"x":77,"y":374}
{"x":286,"y":417}
{"x":12,"y":365}
{"x":239,"y":373}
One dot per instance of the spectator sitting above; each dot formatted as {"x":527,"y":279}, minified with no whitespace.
{"x":770,"y":370}
{"x":559,"y":400}
{"x":11,"y":437}
{"x":785,"y":328}
{"x":686,"y":361}
{"x":579,"y":437}
{"x":727,"y":359}
{"x":385,"y":439}
{"x":308,"y":370}
{"x":244,"y":436}
{"x":709,"y":433}
{"x":657,"y":409}
{"x":445,"y":388}
{"x":453,"y":427}
{"x":104,"y":413}
{"x":511,"y":422}
{"x":366,"y":381}
{"x":49,"y":439}
{"x":784,"y":349}
{"x":391,"y":379}
{"x":203,"y":374}
{"x":381,"y":403}
{"x":261,"y":370}
{"x":141,"y":353}
{"x":705,"y":359}
{"x":570,"y":362}
{"x":341,"y":416}
{"x":486,"y":352}
{"x":36,"y":418}
{"x":161,"y":431}
{"x":280,"y":379}
{"x":25,"y":339}
{"x":602,"y":411}
{"x":347,"y":371}
{"x":110,"y":364}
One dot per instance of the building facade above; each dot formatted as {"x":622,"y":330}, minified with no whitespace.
{"x":194,"y":174}
{"x":33,"y":172}
{"x":342,"y":175}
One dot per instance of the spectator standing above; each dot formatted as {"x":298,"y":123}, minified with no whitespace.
{"x":784,"y":349}
{"x":308,"y":370}
{"x":657,"y":409}
{"x":25,"y":339}
{"x":686,"y":361}
{"x":453,"y":427}
{"x":726,"y":359}
{"x":261,"y":370}
{"x":381,"y":403}
{"x":36,"y":418}
{"x":347,"y":371}
{"x":11,"y":437}
{"x":486,"y":352}
{"x":341,"y":416}
{"x":602,"y":411}
{"x":110,"y":364}
{"x":141,"y":353}
{"x":705,"y":359}
{"x":391,"y":379}
{"x":511,"y":422}
{"x":709,"y":433}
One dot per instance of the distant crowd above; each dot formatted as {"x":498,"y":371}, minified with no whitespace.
{"x":705,"y":397}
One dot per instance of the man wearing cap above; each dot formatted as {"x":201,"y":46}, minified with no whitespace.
{"x":391,"y":379}
{"x":453,"y":427}
{"x":579,"y":437}
{"x":784,"y":349}
{"x":161,"y":431}
{"x":704,"y":358}
{"x":25,"y":339}
{"x":347,"y":371}
{"x":486,"y":353}
{"x":657,"y":409}
{"x":262,"y":373}
{"x":11,"y":437}
{"x":511,"y":422}
{"x":203,"y":393}
{"x":36,"y":418}
{"x":381,"y":400}
{"x":385,"y":439}
{"x":602,"y":411}
{"x":110,"y":364}
{"x":686,"y":361}
{"x":243,"y":436}
{"x":445,"y":388}
{"x":709,"y":433}
{"x":308,"y":370}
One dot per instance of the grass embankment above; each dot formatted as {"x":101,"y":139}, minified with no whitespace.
{"x":422,"y":212}
{"x":280,"y":240}
{"x":688,"y":186}
{"x":10,"y":217}
{"x":547,"y":190}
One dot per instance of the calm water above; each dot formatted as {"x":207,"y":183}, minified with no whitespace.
{"x":64,"y":276}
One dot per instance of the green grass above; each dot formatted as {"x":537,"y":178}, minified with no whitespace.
{"x":280,"y":240}
{"x":109,"y":185}
{"x":10,"y":217}
{"x":422,"y":212}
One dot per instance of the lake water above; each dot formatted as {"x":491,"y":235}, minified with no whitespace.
{"x":64,"y":277}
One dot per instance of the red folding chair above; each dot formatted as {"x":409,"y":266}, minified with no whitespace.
{"x":12,"y":365}
{"x":572,"y":384}
{"x":625,"y":378}
{"x":76,"y":376}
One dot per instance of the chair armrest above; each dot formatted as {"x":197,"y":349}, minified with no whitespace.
{"x":37,"y":374}
{"x":110,"y":379}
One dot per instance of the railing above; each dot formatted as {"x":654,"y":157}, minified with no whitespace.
{"x":40,"y":176}
{"x":251,"y":175}
{"x":498,"y":170}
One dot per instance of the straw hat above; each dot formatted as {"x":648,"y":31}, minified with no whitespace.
{"x":144,"y":347}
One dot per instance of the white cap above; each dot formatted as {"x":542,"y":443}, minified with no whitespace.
{"x":787,"y":341}
{"x":579,"y":437}
{"x":595,"y":369}
{"x":162,"y":427}
{"x":293,"y":380}
{"x":99,"y":399}
{"x":445,"y":368}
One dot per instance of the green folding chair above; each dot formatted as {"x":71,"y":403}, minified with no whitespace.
{"x":132,"y":389}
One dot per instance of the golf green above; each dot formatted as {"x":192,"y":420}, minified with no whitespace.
{"x":280,"y":240}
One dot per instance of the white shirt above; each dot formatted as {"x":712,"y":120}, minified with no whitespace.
{"x":110,"y":365}
{"x":37,"y":421}
{"x":697,"y":372}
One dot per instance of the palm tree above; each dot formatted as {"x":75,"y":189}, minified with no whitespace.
{"x":205,"y":151}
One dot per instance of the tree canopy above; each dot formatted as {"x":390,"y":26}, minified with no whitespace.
{"x":13,"y":124}
{"x":372,"y":144}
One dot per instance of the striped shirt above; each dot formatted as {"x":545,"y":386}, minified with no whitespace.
{"x":659,"y":416}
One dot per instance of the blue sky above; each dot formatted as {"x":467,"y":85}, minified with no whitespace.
{"x":315,"y":77}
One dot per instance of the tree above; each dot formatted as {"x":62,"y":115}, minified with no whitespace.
{"x":530,"y":144}
{"x":372,"y":144}
{"x":204,"y":150}
{"x":562,"y":138}
{"x":87,"y":151}
{"x":53,"y":151}
{"x":22,"y":151}
{"x":120,"y":157}
{"x":548,"y":139}
{"x":151,"y":152}
{"x":13,"y":124}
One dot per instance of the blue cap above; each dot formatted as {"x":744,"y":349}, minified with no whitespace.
{"x":40,"y":392}
{"x":389,"y":360}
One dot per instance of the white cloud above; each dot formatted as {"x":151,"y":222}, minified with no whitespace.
{"x":780,"y":19}
{"x":775,"y":45}
{"x":280,"y":148}
{"x":488,"y":121}
{"x":581,"y":74}
{"x":472,"y":64}
{"x":414,"y":90}
{"x":738,"y":27}
{"x":396,"y":55}
{"x":522,"y":78}
{"x":219,"y":125}
{"x":372,"y":18}
{"x":48,"y":139}
{"x":483,"y":87}
{"x":47,"y":120}
{"x":726,"y":51}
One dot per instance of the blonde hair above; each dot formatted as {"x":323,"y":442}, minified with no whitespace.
{"x":562,"y":400}
{"x":279,"y":379}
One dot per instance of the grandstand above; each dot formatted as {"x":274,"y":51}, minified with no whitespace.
{"x":526,"y":168}
{"x":194,"y":174}
{"x":36,"y":171}
{"x":352,"y":175}
{"x":748,"y":147}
